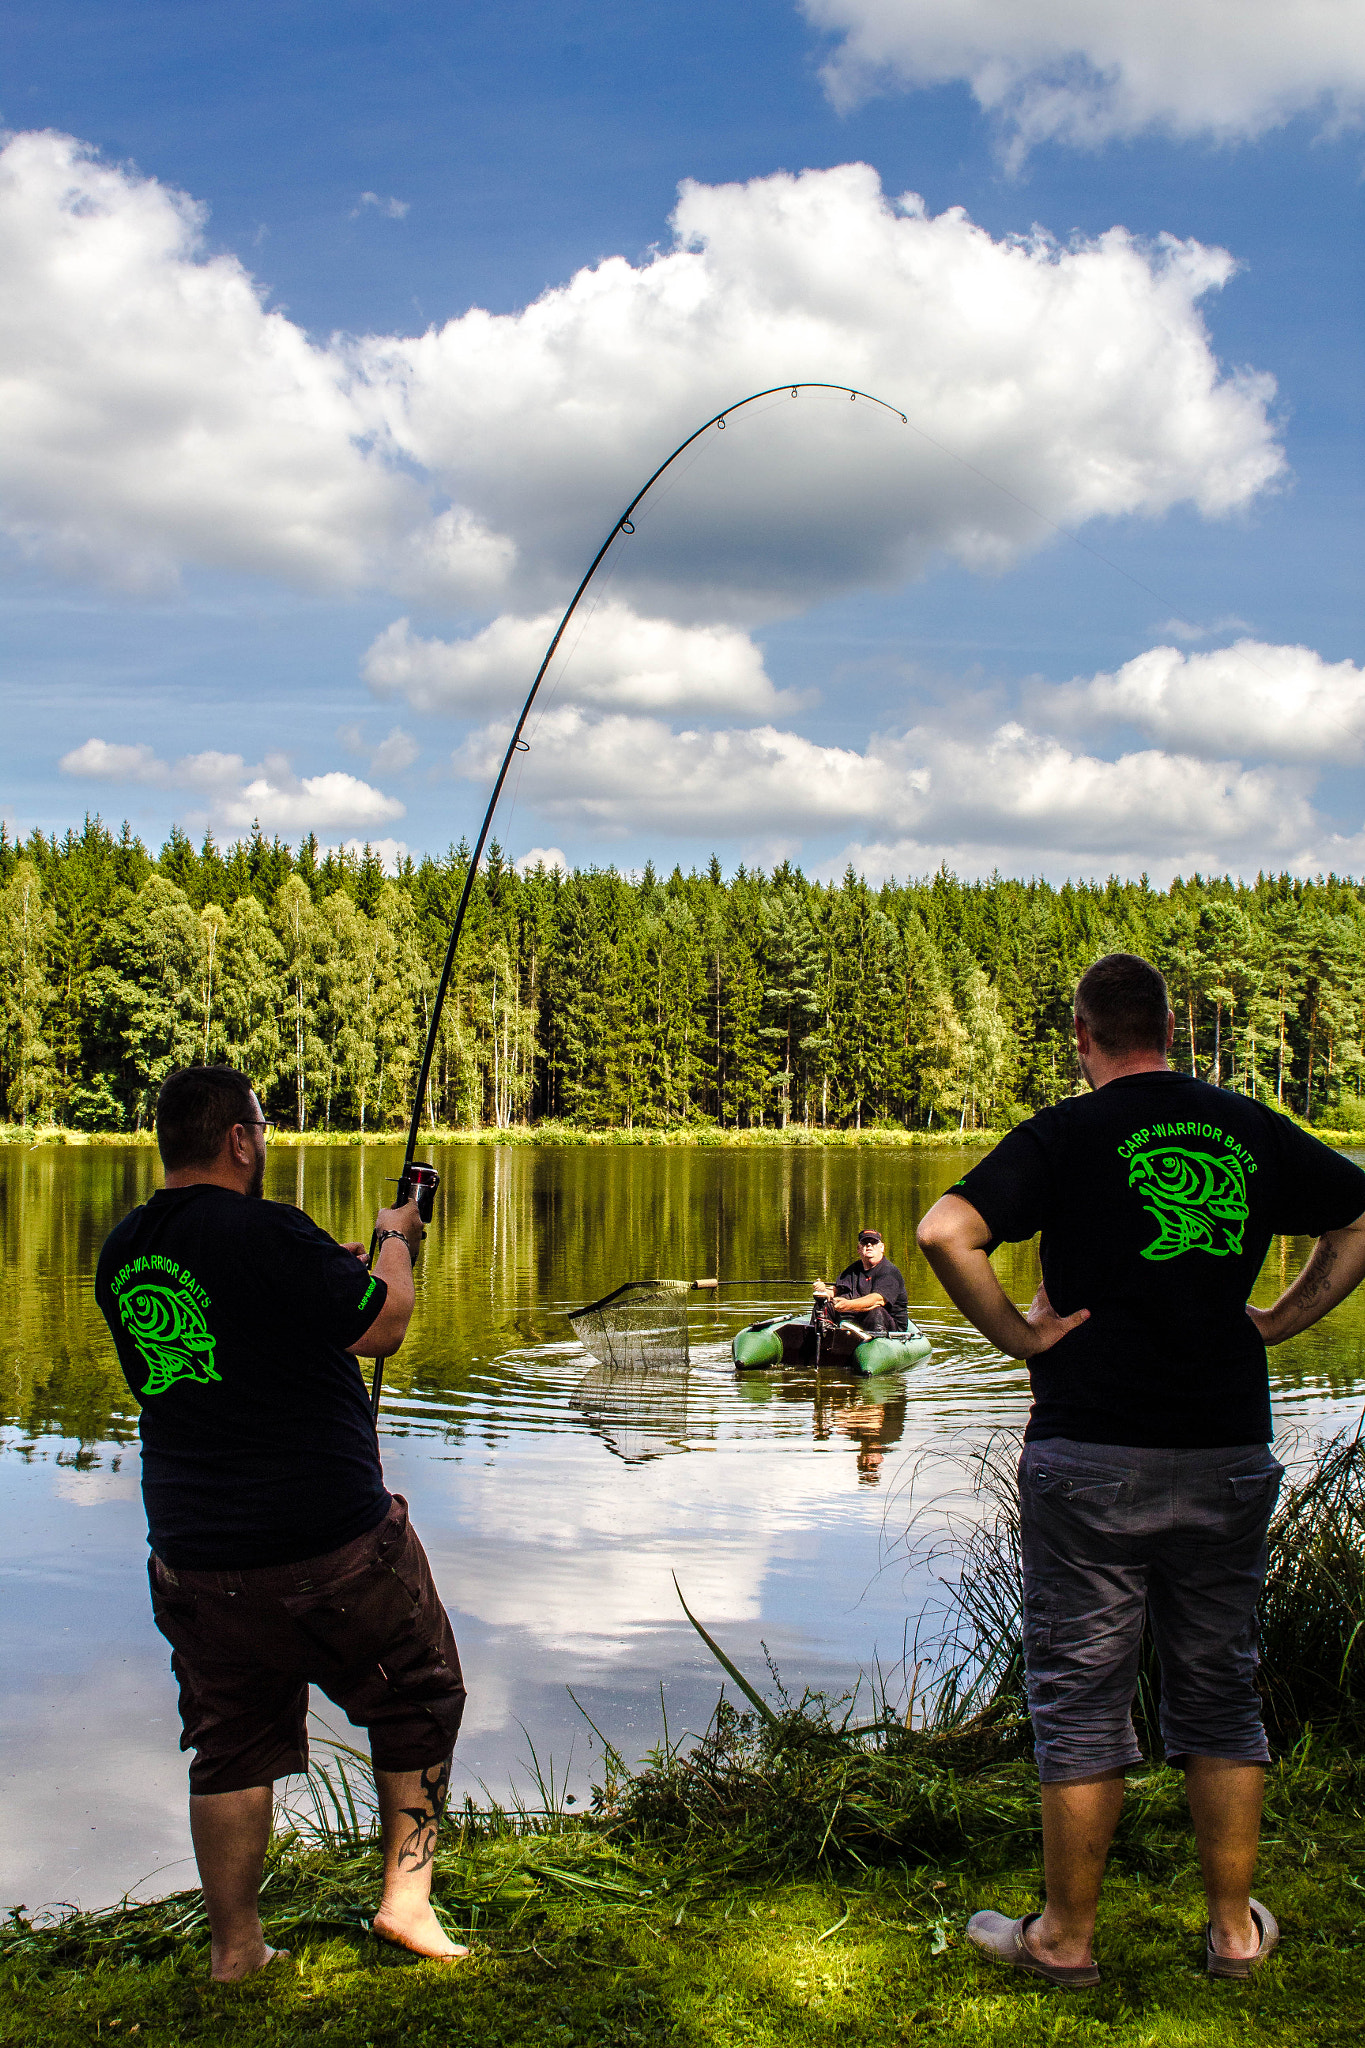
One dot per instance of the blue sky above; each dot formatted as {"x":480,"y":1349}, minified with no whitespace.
{"x":284,"y":517}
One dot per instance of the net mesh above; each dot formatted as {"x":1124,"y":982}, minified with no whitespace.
{"x":638,"y":1415}
{"x":639,"y":1328}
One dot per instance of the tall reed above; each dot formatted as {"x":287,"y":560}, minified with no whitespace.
{"x":934,"y":1766}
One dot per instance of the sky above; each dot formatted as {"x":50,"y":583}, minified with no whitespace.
{"x":334,"y":340}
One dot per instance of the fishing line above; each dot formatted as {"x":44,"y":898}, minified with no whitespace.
{"x":547,"y":701}
{"x":1056,"y":526}
{"x":1025,"y":505}
{"x":1066,"y":533}
{"x":665,"y":491}
{"x":423,"y":1179}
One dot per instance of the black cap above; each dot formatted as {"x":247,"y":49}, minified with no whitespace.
{"x":869,"y":1237}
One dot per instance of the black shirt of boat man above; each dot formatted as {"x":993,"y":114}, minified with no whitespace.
{"x":884,"y":1279}
{"x":230,"y":1316}
{"x":1157,"y":1197}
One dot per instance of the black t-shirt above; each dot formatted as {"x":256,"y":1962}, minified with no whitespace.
{"x":1157,"y":1197}
{"x":884,"y":1279}
{"x":230,"y":1316}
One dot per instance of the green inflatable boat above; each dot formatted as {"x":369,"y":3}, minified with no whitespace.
{"x":789,"y":1340}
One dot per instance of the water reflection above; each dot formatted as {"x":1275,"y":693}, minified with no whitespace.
{"x":555,"y":1497}
{"x":638,"y":1411}
{"x":872,"y":1425}
{"x":866,"y":1415}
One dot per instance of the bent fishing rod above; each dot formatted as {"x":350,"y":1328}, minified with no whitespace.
{"x":423,"y":1180}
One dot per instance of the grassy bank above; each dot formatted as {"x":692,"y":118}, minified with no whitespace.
{"x":701,"y":1136}
{"x":594,"y":1933}
{"x":796,"y":1877}
{"x":695,"y":1136}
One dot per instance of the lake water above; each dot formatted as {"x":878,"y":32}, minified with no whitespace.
{"x":555,"y":1506}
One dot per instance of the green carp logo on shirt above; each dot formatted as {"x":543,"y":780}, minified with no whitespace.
{"x":166,"y":1322}
{"x":1198,"y":1200}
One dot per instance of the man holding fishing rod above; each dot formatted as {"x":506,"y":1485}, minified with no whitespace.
{"x":1146,"y":1482}
{"x":871,"y":1288}
{"x":278,"y":1556}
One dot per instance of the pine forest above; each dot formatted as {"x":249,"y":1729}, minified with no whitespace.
{"x":599,"y":999}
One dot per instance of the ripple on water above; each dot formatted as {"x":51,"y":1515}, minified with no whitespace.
{"x":555,"y":1501}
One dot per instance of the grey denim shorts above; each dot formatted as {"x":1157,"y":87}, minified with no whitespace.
{"x":1110,"y":1533}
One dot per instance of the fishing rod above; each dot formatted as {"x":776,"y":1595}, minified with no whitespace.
{"x":423,"y":1180}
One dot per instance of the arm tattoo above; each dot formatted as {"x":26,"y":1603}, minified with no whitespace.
{"x":1316,"y":1277}
{"x":418,"y":1847}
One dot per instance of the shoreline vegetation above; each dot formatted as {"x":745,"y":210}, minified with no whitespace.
{"x":699,"y":1137}
{"x":560,"y":1135}
{"x":754,"y":1002}
{"x":802,"y":1871}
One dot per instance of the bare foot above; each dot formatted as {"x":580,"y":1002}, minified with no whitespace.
{"x":1239,"y":1942}
{"x":419,"y":1931}
{"x":1067,"y":1955}
{"x":231,"y":1969}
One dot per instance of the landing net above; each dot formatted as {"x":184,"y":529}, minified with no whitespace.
{"x":638,"y":1415}
{"x":642,"y":1327}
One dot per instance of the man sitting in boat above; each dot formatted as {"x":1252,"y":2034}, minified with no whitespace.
{"x":872,"y":1289}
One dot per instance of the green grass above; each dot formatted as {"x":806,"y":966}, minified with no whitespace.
{"x":796,"y":1875}
{"x":700,"y":1135}
{"x":583,"y":1935}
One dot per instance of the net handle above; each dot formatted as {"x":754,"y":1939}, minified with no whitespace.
{"x":673,"y":1286}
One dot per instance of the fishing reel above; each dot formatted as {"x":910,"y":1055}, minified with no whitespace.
{"x":419,"y":1183}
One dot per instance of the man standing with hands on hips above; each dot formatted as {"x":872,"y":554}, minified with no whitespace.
{"x":278,"y":1556}
{"x":1146,"y":1482}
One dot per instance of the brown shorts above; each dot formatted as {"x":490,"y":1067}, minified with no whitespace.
{"x":364,"y":1623}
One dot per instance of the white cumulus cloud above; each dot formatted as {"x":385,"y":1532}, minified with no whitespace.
{"x":1083,"y":71}
{"x":389,"y":756}
{"x":1016,"y":791}
{"x":158,"y":414}
{"x":107,"y":760}
{"x":616,"y":774}
{"x":312,"y":803}
{"x":1079,"y":378}
{"x":390,"y":853}
{"x":1026,"y":789}
{"x":236,"y":796}
{"x":610,"y":656}
{"x":1285,"y":703}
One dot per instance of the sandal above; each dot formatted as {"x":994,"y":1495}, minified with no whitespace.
{"x":1242,"y":1966}
{"x":1003,"y":1940}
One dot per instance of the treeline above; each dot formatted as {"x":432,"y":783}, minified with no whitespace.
{"x":767,"y":999}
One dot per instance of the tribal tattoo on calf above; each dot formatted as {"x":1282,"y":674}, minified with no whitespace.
{"x":416,"y":1849}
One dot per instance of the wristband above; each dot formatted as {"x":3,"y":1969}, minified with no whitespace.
{"x":382,"y":1235}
